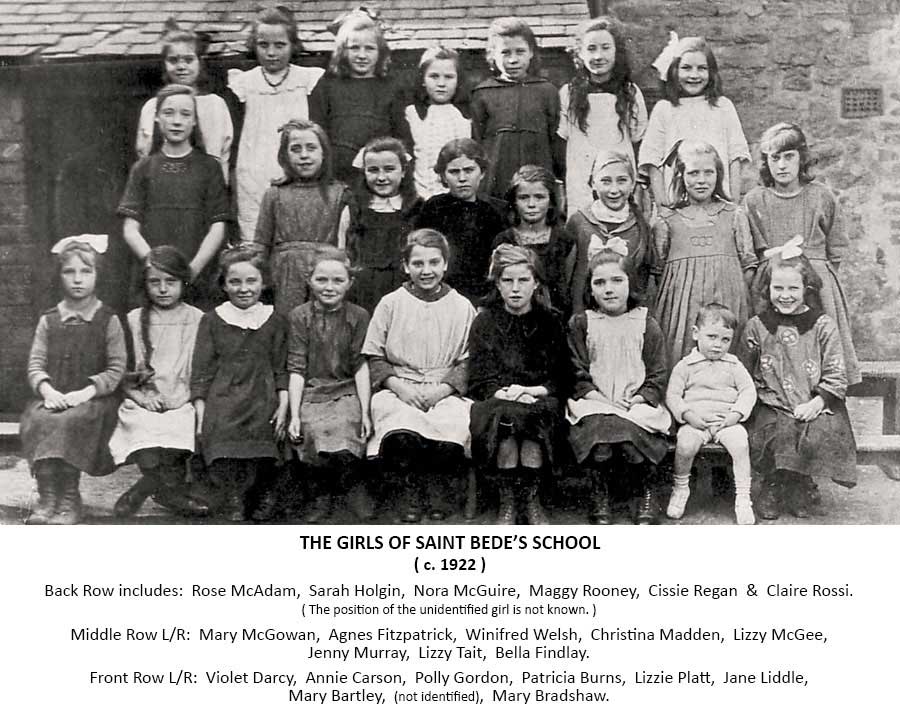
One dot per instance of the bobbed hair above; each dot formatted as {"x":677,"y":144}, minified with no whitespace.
{"x":242,"y":253}
{"x":512,"y":27}
{"x":784,"y":137}
{"x":460,"y":148}
{"x":425,"y":238}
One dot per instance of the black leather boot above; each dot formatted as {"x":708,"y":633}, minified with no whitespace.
{"x":768,"y":504}
{"x":600,"y":513}
{"x":68,"y":503}
{"x":47,"y":497}
{"x":531,"y":485}
{"x":131,"y":500}
{"x":506,"y":486}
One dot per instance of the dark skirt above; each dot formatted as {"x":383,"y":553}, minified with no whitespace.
{"x":824,"y":446}
{"x":494,"y":420}
{"x":79,"y":436}
{"x":372,"y":283}
{"x":610,"y":430}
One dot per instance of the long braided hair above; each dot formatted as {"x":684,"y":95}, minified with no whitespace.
{"x":168,"y":259}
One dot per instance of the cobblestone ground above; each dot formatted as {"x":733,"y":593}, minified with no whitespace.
{"x":876,"y":500}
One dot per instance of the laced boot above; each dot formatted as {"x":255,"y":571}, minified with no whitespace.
{"x":47,"y":496}
{"x":131,"y":500}
{"x":234,"y":507}
{"x":173,"y":493}
{"x":600,"y":513}
{"x":410,"y":508}
{"x":506,"y":510}
{"x":266,"y":505}
{"x":534,"y":511}
{"x":647,"y":510}
{"x":768,"y":504}
{"x":319,"y":509}
{"x":68,"y":504}
{"x":797,"y":496}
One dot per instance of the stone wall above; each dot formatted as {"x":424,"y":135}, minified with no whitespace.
{"x":17,"y":266}
{"x":789,"y":60}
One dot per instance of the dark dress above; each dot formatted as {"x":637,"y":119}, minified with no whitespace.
{"x":325,"y":348}
{"x":506,"y":349}
{"x":238,"y":372}
{"x":79,"y":436}
{"x":516,"y":123}
{"x":792,"y":359}
{"x":176,"y":200}
{"x":470,"y":228}
{"x":374,"y":243}
{"x":554,"y":255}
{"x":355,"y":110}
{"x":590,"y":234}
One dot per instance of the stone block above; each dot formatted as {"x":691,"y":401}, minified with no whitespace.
{"x":10,"y":234}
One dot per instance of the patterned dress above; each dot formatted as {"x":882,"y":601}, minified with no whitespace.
{"x":422,"y":339}
{"x":706,"y":250}
{"x":325,"y":348}
{"x":173,"y":333}
{"x":295,"y":218}
{"x":267,"y":109}
{"x":792,"y":359}
{"x":618,"y":357}
{"x":814,"y":214}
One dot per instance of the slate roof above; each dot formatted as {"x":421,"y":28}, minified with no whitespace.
{"x":48,"y":30}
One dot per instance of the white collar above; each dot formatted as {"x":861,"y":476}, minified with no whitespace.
{"x":390,"y":204}
{"x":602,"y":213}
{"x":251,"y":318}
{"x":85,"y":314}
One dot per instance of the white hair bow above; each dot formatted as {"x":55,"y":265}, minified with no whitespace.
{"x":661,"y":63}
{"x":99,"y":243}
{"x":615,"y":243}
{"x":783,"y":252}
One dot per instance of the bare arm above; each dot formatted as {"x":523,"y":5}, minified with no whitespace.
{"x":208,"y":249}
{"x":131,"y":231}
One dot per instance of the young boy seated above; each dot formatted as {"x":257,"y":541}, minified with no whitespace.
{"x":710,"y":393}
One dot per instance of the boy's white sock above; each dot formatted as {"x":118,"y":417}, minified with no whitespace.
{"x":680,"y":494}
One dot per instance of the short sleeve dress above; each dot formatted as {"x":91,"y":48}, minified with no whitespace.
{"x":424,"y":339}
{"x":173,"y":334}
{"x":176,"y":201}
{"x":814,"y":214}
{"x":601,"y":133}
{"x":325,"y":348}
{"x":506,"y":349}
{"x":618,"y":356}
{"x":239,"y":365}
{"x":706,"y":251}
{"x":267,"y":109}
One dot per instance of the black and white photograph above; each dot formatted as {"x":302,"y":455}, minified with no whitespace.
{"x":451,"y":263}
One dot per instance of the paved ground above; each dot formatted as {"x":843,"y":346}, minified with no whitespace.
{"x":876,"y":500}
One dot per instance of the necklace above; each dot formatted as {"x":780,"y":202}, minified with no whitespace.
{"x":277,"y":84}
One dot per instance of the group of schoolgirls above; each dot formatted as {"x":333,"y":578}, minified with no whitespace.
{"x":373,"y":346}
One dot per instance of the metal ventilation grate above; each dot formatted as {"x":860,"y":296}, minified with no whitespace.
{"x":859,"y":103}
